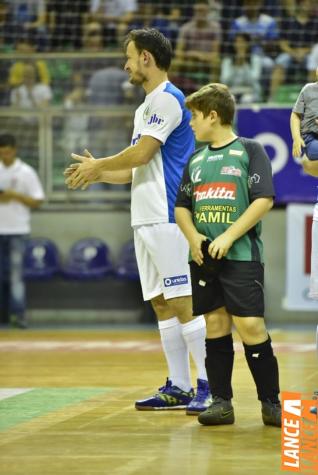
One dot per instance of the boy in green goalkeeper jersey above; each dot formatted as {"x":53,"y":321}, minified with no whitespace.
{"x":225,"y":191}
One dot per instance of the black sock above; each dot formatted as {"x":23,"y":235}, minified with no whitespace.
{"x":219,"y":365}
{"x":264,"y":368}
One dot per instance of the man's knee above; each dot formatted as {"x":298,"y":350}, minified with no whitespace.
{"x":181,"y":307}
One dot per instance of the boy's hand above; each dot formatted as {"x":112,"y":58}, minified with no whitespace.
{"x":195,"y":247}
{"x":220,"y":246}
{"x":297,"y":146}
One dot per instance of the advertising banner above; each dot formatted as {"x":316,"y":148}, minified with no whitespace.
{"x":270,"y":126}
{"x":298,"y":252}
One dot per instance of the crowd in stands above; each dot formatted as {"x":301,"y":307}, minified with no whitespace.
{"x":254,"y":46}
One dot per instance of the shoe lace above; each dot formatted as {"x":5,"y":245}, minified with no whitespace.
{"x":166,"y":386}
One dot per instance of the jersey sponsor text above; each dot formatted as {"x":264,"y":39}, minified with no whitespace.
{"x":217,"y":190}
{"x":175,"y":280}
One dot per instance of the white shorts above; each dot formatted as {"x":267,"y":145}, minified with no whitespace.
{"x":162,"y":257}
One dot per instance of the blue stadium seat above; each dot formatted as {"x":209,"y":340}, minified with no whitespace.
{"x":41,"y":259}
{"x":88,"y":259}
{"x":126,"y":266}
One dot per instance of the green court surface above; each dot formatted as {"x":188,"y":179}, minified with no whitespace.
{"x":41,"y":401}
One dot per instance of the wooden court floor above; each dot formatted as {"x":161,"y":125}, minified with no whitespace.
{"x":67,"y":407}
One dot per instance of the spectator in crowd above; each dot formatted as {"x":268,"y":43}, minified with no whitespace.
{"x":313,"y":63}
{"x":75,"y":131}
{"x":26,"y":45}
{"x":115,"y":16}
{"x":299,"y":34}
{"x":241,"y":70}
{"x":65,"y":20}
{"x":31,"y":93}
{"x":165,"y":18}
{"x":20,"y":191}
{"x":197,"y":49}
{"x":181,"y":9}
{"x":264,"y":33}
{"x":108,"y":88}
{"x":93,"y":40}
{"x":229,"y":11}
{"x":31,"y":16}
{"x":262,"y":28}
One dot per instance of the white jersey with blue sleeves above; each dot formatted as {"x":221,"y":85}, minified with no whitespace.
{"x":163,"y":116}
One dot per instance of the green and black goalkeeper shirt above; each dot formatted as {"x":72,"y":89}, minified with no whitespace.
{"x":219,"y":184}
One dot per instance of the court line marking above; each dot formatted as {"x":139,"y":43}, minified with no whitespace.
{"x":124,"y":346}
{"x":6,"y":393}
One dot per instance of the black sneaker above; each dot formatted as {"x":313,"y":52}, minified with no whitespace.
{"x":218,"y":413}
{"x":272,"y":413}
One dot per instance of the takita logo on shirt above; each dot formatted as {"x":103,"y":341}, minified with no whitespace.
{"x":218,"y":190}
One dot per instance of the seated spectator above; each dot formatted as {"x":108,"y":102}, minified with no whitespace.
{"x":197,"y":49}
{"x":262,"y":28}
{"x":26,"y":44}
{"x":299,"y":34}
{"x":93,"y":40}
{"x":264,"y":34}
{"x":241,"y":70}
{"x":166,"y":20}
{"x":30,"y":15}
{"x":31,"y":93}
{"x":115,"y":16}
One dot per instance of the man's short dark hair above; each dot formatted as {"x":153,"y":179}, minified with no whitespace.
{"x":156,"y":43}
{"x":7,"y":140}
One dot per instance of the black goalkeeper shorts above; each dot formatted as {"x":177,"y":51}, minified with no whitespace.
{"x":236,"y":285}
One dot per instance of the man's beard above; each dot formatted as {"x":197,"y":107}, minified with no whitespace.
{"x":138,"y":79}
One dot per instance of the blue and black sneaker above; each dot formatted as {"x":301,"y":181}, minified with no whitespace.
{"x":167,"y":397}
{"x":202,"y":400}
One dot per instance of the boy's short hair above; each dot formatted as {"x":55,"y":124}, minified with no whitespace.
{"x":213,"y":97}
{"x":152,"y":40}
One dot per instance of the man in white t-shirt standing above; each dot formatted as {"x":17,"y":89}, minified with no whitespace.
{"x":161,"y":145}
{"x":20,"y":191}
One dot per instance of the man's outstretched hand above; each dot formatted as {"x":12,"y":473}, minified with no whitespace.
{"x":83,"y":174}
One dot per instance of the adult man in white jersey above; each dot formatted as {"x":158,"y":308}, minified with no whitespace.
{"x":20,"y":191}
{"x":161,"y":145}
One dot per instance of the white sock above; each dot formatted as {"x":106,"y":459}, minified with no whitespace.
{"x":194,"y":333}
{"x":176,"y":353}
